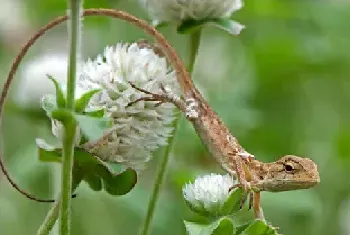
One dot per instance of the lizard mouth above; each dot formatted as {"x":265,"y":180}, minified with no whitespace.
{"x":280,"y":185}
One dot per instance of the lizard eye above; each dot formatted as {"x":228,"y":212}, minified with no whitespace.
{"x":288,"y":167}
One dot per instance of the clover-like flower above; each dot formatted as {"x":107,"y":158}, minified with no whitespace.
{"x":180,"y":10}
{"x":208,"y":194}
{"x":138,"y":129}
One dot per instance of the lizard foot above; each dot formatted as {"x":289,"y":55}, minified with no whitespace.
{"x":246,"y":191}
{"x":166,"y":97}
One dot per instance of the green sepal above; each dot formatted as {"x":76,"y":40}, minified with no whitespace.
{"x":94,"y":113}
{"x":81,"y":103}
{"x":60,"y":98}
{"x":49,"y":103}
{"x":226,"y":24}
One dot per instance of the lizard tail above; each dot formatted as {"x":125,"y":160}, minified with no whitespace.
{"x":183,"y":76}
{"x":14,"y":185}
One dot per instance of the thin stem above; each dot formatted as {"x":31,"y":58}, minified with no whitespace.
{"x":74,"y":32}
{"x":70,"y":128}
{"x":53,"y":214}
{"x":50,"y":219}
{"x":66,"y":179}
{"x":160,"y":177}
{"x":194,"y":45}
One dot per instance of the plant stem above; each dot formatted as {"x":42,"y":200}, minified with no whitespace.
{"x":74,"y":32}
{"x":50,"y":219}
{"x":194,"y":45}
{"x":52,"y":216}
{"x":193,"y":48}
{"x":74,"y":7}
{"x":160,"y":177}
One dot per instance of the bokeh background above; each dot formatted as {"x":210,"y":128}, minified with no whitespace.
{"x":282,"y":87}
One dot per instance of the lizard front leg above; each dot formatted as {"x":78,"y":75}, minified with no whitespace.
{"x":220,"y":143}
{"x":258,"y":212}
{"x":166,"y":96}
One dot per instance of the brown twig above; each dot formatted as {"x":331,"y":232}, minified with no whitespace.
{"x":169,"y":52}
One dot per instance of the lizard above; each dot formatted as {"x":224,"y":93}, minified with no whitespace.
{"x":253,"y":176}
{"x":287,"y":173}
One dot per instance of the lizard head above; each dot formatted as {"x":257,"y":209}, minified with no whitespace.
{"x":288,"y":173}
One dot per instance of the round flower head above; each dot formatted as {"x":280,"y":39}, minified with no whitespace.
{"x":180,"y":10}
{"x":142,"y":127}
{"x":208,"y":193}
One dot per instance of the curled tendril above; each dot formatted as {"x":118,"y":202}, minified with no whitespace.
{"x":183,"y":76}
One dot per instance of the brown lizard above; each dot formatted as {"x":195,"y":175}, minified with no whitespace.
{"x":252,"y":175}
{"x":287,"y":173}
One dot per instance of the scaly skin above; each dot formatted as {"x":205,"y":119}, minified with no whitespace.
{"x":287,"y":173}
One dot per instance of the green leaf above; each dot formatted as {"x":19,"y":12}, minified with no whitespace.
{"x":232,"y":204}
{"x":120,"y":184}
{"x":195,"y":229}
{"x":225,"y":227}
{"x":257,"y":227}
{"x":46,"y":152}
{"x":113,"y":178}
{"x":94,"y":181}
{"x":82,"y":102}
{"x":78,"y":175}
{"x":222,"y":226}
{"x":60,"y":99}
{"x":241,"y":228}
{"x":93,"y":128}
{"x":116,"y":180}
{"x":226,"y":24}
{"x":84,"y":157}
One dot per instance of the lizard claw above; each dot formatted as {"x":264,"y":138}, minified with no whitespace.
{"x":165,"y":97}
{"x":161,"y":98}
{"x":246,"y":190}
{"x":251,"y":200}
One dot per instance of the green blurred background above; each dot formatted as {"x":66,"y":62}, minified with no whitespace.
{"x":282,"y":87}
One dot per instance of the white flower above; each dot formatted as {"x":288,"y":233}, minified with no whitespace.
{"x":208,"y":193}
{"x":14,"y":22}
{"x":34,"y":82}
{"x":139,"y":129}
{"x":179,"y":10}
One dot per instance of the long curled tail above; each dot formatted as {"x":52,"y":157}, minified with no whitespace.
{"x":27,"y":195}
{"x":183,"y":76}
